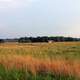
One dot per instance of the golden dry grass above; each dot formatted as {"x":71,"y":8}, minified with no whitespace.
{"x":35,"y":65}
{"x":58,"y":58}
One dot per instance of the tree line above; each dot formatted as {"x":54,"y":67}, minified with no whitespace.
{"x":47,"y":39}
{"x":40,"y":39}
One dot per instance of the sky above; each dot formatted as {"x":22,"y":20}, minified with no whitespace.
{"x":20,"y":18}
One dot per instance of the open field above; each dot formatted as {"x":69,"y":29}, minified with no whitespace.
{"x":40,"y":61}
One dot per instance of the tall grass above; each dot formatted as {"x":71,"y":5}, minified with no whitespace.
{"x":66,"y":50}
{"x":41,"y":67}
{"x":22,"y":74}
{"x":40,"y":61}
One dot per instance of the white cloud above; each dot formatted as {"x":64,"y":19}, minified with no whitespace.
{"x":14,"y":3}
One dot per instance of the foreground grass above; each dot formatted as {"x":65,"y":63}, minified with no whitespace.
{"x":23,"y":74}
{"x":17,"y":67}
{"x":40,"y":61}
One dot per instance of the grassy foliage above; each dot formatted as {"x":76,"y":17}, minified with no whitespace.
{"x":40,"y":61}
{"x":42,"y":50}
{"x":22,"y":74}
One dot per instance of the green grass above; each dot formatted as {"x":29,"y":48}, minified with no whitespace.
{"x":22,"y":74}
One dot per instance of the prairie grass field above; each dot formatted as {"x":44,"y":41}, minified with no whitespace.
{"x":40,"y":61}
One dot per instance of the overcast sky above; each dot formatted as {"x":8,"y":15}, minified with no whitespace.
{"x":39,"y":18}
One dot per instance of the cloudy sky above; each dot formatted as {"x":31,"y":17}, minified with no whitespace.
{"x":39,"y":18}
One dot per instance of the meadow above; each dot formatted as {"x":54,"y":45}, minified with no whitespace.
{"x":40,"y":61}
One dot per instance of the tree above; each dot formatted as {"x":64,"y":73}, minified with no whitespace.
{"x":1,"y":41}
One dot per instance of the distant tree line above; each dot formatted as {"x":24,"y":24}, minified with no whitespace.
{"x":40,"y":39}
{"x":46,"y":39}
{"x":1,"y":40}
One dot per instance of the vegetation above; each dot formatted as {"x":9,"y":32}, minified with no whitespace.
{"x":21,"y":74}
{"x":46,"y":39}
{"x":40,"y":61}
{"x":40,"y":39}
{"x":1,"y":41}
